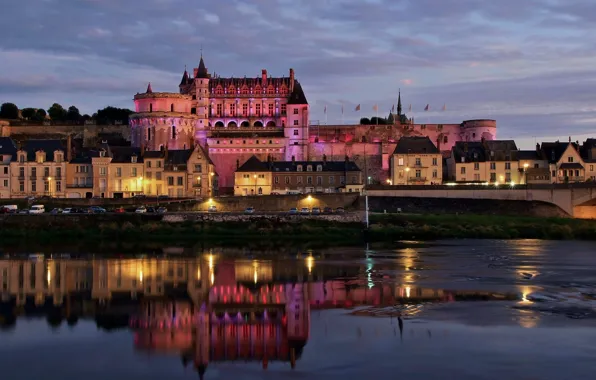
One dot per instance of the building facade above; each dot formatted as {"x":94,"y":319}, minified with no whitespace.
{"x":256,"y":177}
{"x":8,"y":151}
{"x":265,"y":116}
{"x":416,"y":161}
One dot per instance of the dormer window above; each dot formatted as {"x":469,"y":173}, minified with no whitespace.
{"x":463,"y":159}
{"x":22,"y":158}
{"x":319,"y":168}
{"x":102,"y":153}
{"x":299,"y":168}
{"x":133,"y":159}
{"x":40,"y":157}
{"x":59,"y":157}
{"x":475,"y":155}
{"x":309,"y":168}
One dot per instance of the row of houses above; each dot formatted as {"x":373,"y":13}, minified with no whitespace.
{"x":417,"y":161}
{"x":48,"y":168}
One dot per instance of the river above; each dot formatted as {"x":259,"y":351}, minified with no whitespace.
{"x":521,"y":309}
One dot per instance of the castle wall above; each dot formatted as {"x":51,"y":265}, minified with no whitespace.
{"x":89,"y":133}
{"x":162,"y":102}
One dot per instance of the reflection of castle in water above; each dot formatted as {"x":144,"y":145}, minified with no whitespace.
{"x":206,"y":309}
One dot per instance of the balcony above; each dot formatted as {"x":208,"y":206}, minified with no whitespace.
{"x":80,"y":186}
{"x":197,"y":185}
{"x":417,"y":179}
{"x":33,"y":178}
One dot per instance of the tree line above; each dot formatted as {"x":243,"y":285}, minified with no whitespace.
{"x":384,"y":120}
{"x":57,"y":112}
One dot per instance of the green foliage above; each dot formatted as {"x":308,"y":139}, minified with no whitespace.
{"x":110,"y":115}
{"x":9,"y":111}
{"x":365,"y":121}
{"x":73,"y":114}
{"x":57,"y":112}
{"x":28,"y":113}
{"x":40,"y":114}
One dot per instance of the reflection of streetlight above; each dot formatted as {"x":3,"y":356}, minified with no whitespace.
{"x":310,"y":263}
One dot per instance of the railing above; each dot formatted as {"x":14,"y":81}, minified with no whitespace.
{"x":33,"y":178}
{"x":21,"y":177}
{"x":197,"y":185}
{"x":80,"y":185}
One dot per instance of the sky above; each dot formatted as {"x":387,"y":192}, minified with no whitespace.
{"x":529,"y":64}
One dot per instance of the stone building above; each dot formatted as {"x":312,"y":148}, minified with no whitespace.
{"x":265,"y":116}
{"x":38,"y":169}
{"x":494,"y":162}
{"x":564,"y":161}
{"x":256,"y":177}
{"x":8,"y":151}
{"x":416,"y":161}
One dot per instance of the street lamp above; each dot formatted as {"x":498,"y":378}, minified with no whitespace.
{"x":407,"y":176}
{"x":389,"y":182}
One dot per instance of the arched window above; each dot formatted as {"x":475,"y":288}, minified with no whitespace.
{"x":258,"y":124}
{"x":173,"y":132}
{"x":219,"y":124}
{"x":150,"y":107}
{"x":172,"y":107}
{"x":271,"y":124}
{"x":245,"y":124}
{"x":232,"y":124}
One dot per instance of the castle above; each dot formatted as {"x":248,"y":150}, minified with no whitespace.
{"x":268,"y":117}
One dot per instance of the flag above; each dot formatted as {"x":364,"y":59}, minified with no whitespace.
{"x":427,"y":107}
{"x":325,"y":111}
{"x":375,"y":107}
{"x":410,"y":108}
{"x":444,"y":107}
{"x":357,"y":108}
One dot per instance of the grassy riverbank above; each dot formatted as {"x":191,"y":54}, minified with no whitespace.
{"x":309,"y":232}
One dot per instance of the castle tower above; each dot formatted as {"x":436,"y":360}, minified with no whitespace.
{"x":296,"y":129}
{"x":201,"y":95}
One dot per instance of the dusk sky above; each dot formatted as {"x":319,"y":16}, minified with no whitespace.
{"x":529,"y":64}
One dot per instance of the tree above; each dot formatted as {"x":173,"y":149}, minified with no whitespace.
{"x":110,"y":115}
{"x":28,"y":113}
{"x":365,"y":121}
{"x":9,"y":111}
{"x":378,"y":120}
{"x":73,"y":114}
{"x":57,"y":112}
{"x":40,"y":115}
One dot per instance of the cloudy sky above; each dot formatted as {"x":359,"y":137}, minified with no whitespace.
{"x":530,"y":64}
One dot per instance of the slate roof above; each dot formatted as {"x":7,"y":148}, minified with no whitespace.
{"x":415,"y":145}
{"x":471,"y":151}
{"x":528,"y":155}
{"x":123,"y":155}
{"x":48,"y":146}
{"x":178,"y":156}
{"x":297,"y":96}
{"x":253,"y":164}
{"x":8,"y":147}
{"x":552,"y":151}
{"x":202,"y":70}
{"x":502,"y":150}
{"x":588,"y":150}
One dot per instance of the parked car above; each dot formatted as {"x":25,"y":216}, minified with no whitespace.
{"x":340,"y":210}
{"x":56,"y":211}
{"x":37,"y":209}
{"x":249,"y":210}
{"x":151,"y":209}
{"x":327,"y":210}
{"x":293,"y":211}
{"x":119,"y":210}
{"x":141,"y":210}
{"x":9,"y":209}
{"x":97,"y":209}
{"x":67,"y":210}
{"x":24,"y":211}
{"x":212,"y":208}
{"x":162,"y":210}
{"x":304,"y":211}
{"x":316,"y":211}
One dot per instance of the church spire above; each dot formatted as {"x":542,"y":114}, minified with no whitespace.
{"x":149,"y":89}
{"x":399,"y":103}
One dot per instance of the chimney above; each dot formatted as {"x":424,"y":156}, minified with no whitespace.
{"x":291,"y":80}
{"x":69,"y":148}
{"x":263,"y":77}
{"x":569,"y":138}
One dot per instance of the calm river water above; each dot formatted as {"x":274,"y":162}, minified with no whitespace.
{"x":521,"y":309}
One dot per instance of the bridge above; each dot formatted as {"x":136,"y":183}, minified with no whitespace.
{"x":576,"y":200}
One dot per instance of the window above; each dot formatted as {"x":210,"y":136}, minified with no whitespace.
{"x":435,"y":160}
{"x":309,"y":168}
{"x":46,"y":172}
{"x":309,"y":180}
{"x":133,"y":159}
{"x":22,"y":158}
{"x":418,"y":161}
{"x":319,"y":168}
{"x":5,"y":183}
{"x":170,"y":181}
{"x":260,"y":192}
{"x":299,"y":180}
{"x":342,"y":180}
{"x":331,"y":180}
{"x":287,"y":180}
{"x":21,"y":186}
{"x":476,"y":177}
{"x":58,"y":186}
{"x":284,"y":109}
{"x":319,"y":181}
{"x":507,"y":165}
{"x":22,"y":172}
{"x":151,"y":107}
{"x":159,"y":164}
{"x":400,"y":162}
{"x":463,"y":170}
{"x":493,"y":166}
{"x":33,"y":186}
{"x":295,"y":111}
{"x":133,"y":172}
{"x":245,"y":176}
{"x":577,"y":173}
{"x":46,"y":186}
{"x":258,"y":109}
{"x":102,"y":171}
{"x":270,"y":109}
{"x":149,"y":175}
{"x":198,"y":168}
{"x":173,"y":132}
{"x":507,"y":177}
{"x":296,"y":122}
{"x":5,"y":170}
{"x":158,"y":176}
{"x":476,"y":166}
{"x":233,"y":109}
{"x":435,"y":173}
{"x":244,"y":109}
{"x":261,"y":175}
{"x":58,"y":172}
{"x":299,"y":168}
{"x":276,"y":179}
{"x":493,"y":177}
{"x":295,"y":132}
{"x":445,"y":140}
{"x":149,"y":133}
{"x":33,"y":173}
{"x":180,"y":181}
{"x":118,"y":172}
{"x":148,"y":164}
{"x":219,"y":109}
{"x":569,"y":159}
